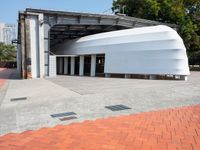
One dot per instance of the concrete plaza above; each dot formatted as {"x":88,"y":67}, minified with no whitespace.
{"x":87,"y":97}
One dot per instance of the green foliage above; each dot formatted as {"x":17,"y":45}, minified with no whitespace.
{"x":184,"y":13}
{"x":7,"y":53}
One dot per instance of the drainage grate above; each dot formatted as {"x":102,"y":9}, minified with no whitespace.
{"x":117,"y":107}
{"x":63,"y":114}
{"x":18,"y":99}
{"x":67,"y":118}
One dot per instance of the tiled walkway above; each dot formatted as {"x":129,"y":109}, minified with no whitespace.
{"x":172,"y":129}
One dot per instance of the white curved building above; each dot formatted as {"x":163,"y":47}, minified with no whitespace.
{"x":156,"y":50}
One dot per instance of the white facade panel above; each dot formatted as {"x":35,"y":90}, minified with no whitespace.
{"x":37,"y":45}
{"x":146,"y":50}
{"x":34,"y":46}
{"x":52,"y":66}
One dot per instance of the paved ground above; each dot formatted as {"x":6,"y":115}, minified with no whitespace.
{"x":171,"y":129}
{"x":148,"y":126}
{"x":5,"y":76}
{"x":87,"y":97}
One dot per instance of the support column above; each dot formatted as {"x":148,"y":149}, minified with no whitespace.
{"x":42,"y":48}
{"x":127,"y":76}
{"x":60,"y":67}
{"x":93,"y":66}
{"x":182,"y":77}
{"x":66,"y":65}
{"x":46,"y":47}
{"x":19,"y":64}
{"x":52,"y":66}
{"x":152,"y":77}
{"x":107,"y":75}
{"x":81,"y":66}
{"x":176,"y":77}
{"x":72,"y":68}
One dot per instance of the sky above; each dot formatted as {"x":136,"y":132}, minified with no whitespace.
{"x":9,"y":8}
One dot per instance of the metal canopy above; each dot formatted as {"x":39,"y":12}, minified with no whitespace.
{"x":60,"y":33}
{"x":70,"y":25}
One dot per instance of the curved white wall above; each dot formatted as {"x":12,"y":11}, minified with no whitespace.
{"x":146,"y":50}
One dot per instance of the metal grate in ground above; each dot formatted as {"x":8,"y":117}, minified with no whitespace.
{"x":63,"y":114}
{"x":18,"y":99}
{"x":117,"y":107}
{"x":68,"y":118}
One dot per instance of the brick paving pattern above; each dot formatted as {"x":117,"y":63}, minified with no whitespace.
{"x":171,"y":129}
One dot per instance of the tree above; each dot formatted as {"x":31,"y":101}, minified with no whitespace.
{"x":184,"y":13}
{"x":7,"y":53}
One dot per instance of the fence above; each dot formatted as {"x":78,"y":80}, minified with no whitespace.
{"x":10,"y":64}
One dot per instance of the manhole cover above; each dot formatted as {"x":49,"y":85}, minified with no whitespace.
{"x":63,"y":114}
{"x":117,"y":107}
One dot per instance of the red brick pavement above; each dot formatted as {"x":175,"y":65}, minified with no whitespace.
{"x":172,"y":129}
{"x":2,"y":82}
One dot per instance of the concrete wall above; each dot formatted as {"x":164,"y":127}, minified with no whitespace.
{"x":146,"y":50}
